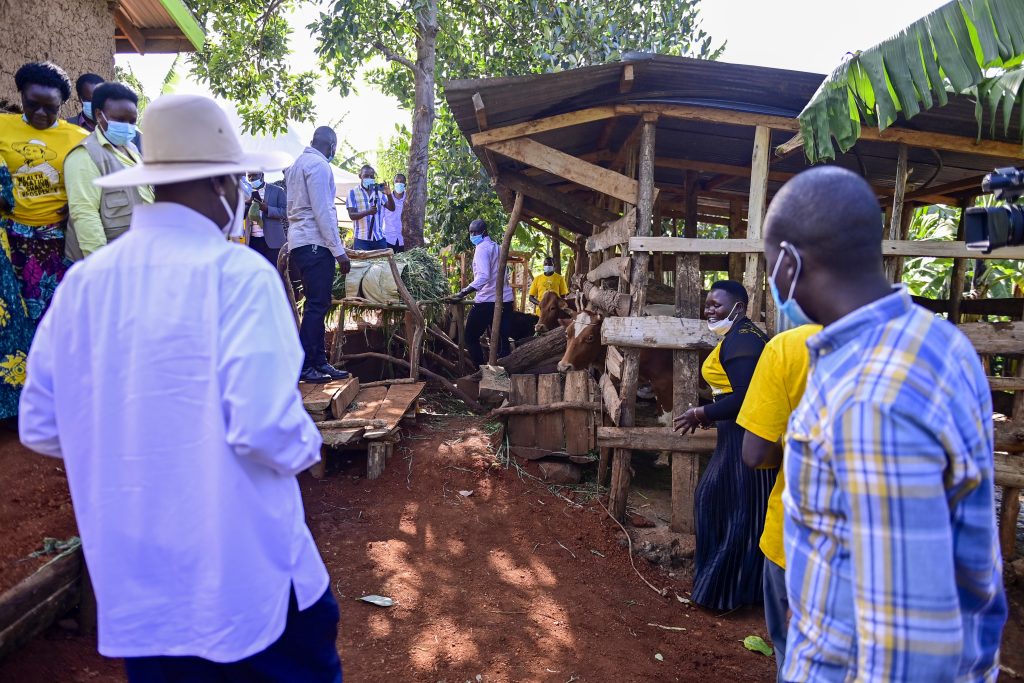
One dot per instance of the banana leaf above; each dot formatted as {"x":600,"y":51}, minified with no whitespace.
{"x":968,"y":47}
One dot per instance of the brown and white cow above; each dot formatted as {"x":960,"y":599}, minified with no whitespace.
{"x":553,"y":309}
{"x":583,"y":350}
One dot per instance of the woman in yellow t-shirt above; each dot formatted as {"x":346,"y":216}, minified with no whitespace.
{"x":34,"y":207}
{"x":731,"y":499}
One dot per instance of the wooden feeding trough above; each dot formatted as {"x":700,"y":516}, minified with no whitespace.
{"x":663,"y":180}
{"x":365,"y":418}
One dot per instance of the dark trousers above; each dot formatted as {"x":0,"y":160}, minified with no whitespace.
{"x":397,"y":248}
{"x":477,"y":322}
{"x":260,"y":245}
{"x":776,"y":607}
{"x":316,"y":269}
{"x":369,"y":245}
{"x":305,"y":653}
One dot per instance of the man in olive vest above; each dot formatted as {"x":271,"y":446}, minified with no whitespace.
{"x":97,"y":216}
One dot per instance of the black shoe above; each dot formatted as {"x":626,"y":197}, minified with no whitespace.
{"x":332,"y":372}
{"x":314,"y":376}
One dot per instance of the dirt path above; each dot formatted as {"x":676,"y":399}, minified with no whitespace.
{"x":509,"y":584}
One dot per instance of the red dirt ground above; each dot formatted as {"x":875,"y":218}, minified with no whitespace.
{"x":483,"y":585}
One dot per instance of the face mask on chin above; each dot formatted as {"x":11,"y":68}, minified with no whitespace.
{"x":234,"y":227}
{"x":722,"y":327}
{"x":789,"y":314}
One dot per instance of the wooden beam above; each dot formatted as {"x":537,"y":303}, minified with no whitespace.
{"x":714,"y":167}
{"x":605,"y":301}
{"x":790,"y":146}
{"x":613,"y":267}
{"x":131,"y":32}
{"x":970,"y":185}
{"x":566,"y":166}
{"x":481,"y":111}
{"x":906,"y":248}
{"x":1009,"y":470}
{"x":550,"y":232}
{"x":656,"y":439}
{"x":573,"y":118}
{"x":615,"y":233}
{"x":626,"y":79}
{"x":659,"y":331}
{"x":988,"y":338}
{"x":894,"y":265}
{"x":546,"y":212}
{"x":589,"y":213}
{"x":756,"y":205}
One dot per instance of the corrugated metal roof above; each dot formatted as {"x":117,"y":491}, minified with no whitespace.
{"x":660,"y":79}
{"x":166,"y":25}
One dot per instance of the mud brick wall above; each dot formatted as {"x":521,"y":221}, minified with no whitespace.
{"x":76,"y":34}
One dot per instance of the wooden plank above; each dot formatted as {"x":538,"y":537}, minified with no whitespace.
{"x":613,"y":267}
{"x":376,"y":458}
{"x":522,"y":428}
{"x":893,"y":264}
{"x":605,"y":301}
{"x":480,"y":111}
{"x":1009,"y":470}
{"x":626,"y":79}
{"x":729,"y":170}
{"x":1006,"y":383}
{"x":343,"y":397}
{"x":36,"y":602}
{"x":399,"y":400}
{"x":613,"y":362}
{"x":756,"y":206}
{"x":907,"y":248}
{"x":685,"y":476}
{"x":789,"y":146}
{"x":610,"y":396}
{"x":573,"y":118}
{"x":579,"y":424}
{"x":1009,"y":511}
{"x":737,"y":230}
{"x":316,"y":398}
{"x":367,"y":402}
{"x":135,"y":37}
{"x":550,"y":426}
{"x":656,"y":439}
{"x":662,"y":332}
{"x":990,"y":338}
{"x":336,"y":438}
{"x":589,"y":213}
{"x":559,"y":163}
{"x":615,"y":233}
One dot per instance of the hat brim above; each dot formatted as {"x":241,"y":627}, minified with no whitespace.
{"x":166,"y":174}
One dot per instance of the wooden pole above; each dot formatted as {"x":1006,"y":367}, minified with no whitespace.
{"x":499,"y":291}
{"x":418,"y":323}
{"x":956,"y":283}
{"x":638,"y":297}
{"x":736,"y":231}
{"x":282,"y":268}
{"x":473,"y":405}
{"x":759,"y":167}
{"x":893,"y":264}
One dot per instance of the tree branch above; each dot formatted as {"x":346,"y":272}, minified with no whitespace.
{"x":395,"y":57}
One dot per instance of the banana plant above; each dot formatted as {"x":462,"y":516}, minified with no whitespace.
{"x":967,"y":47}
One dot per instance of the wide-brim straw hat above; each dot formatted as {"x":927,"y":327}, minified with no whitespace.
{"x":189,"y":137}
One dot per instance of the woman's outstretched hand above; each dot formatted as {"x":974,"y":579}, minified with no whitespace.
{"x":690,"y":420}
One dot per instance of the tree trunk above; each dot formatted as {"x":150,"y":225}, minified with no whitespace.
{"x":423,"y":115}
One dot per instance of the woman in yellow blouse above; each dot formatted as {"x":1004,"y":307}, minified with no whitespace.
{"x":34,"y":207}
{"x":731,"y":499}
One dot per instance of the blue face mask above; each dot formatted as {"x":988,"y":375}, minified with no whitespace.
{"x":256,"y":184}
{"x":368,"y":183}
{"x":119,"y":133}
{"x":476,"y":239}
{"x":789,"y":312}
{"x":87,"y":110}
{"x":399,"y":188}
{"x":246,"y":187}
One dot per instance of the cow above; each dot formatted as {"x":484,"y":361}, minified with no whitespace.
{"x":553,"y":309}
{"x":583,"y":349}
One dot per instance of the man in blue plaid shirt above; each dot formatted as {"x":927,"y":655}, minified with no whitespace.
{"x":893,"y":565}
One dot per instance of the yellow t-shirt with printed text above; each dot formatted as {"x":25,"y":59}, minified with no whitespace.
{"x":35,"y":159}
{"x":775,"y":391}
{"x":542,"y":284}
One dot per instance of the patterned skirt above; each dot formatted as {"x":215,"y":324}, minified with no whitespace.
{"x":37,"y":254}
{"x":730,"y":505}
{"x":16,"y":329}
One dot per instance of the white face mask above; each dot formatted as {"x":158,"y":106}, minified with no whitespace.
{"x":234,"y":228}
{"x":548,"y":270}
{"x":722,"y":327}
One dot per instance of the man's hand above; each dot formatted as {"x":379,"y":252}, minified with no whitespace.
{"x":689,"y":421}
{"x":344,"y":265}
{"x":263,"y":206}
{"x":385,"y":188}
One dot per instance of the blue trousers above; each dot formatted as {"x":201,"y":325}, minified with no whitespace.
{"x":305,"y":653}
{"x":369,"y":245}
{"x":315,"y":266}
{"x":776,"y":606}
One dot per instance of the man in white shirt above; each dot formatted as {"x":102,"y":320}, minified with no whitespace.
{"x":393,"y":217}
{"x":485,"y":284}
{"x":165,"y":374}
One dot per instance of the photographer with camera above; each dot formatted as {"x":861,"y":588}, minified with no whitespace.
{"x":365,"y":207}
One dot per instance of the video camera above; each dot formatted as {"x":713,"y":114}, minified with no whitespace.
{"x":993,"y":227}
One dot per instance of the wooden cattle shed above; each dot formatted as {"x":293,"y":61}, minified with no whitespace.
{"x":642,"y":158}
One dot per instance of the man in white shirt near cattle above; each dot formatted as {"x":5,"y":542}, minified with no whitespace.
{"x":165,"y":375}
{"x":485,"y":284}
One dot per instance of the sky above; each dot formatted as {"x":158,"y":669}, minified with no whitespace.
{"x":804,"y":35}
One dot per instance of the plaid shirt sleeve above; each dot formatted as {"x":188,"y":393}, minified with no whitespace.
{"x":891,"y":470}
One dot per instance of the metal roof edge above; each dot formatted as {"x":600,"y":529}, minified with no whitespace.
{"x":186,"y":22}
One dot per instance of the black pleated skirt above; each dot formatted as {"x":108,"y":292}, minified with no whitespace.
{"x":730,"y":505}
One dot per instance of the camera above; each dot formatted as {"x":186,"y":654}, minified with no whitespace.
{"x":993,"y":227}
{"x":378,"y":187}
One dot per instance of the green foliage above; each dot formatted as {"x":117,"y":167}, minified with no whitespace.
{"x":128,"y":77}
{"x":971,"y":47}
{"x":393,"y":155}
{"x":929,"y":277}
{"x":245,"y":60}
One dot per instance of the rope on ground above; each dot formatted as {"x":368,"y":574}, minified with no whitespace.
{"x":660,"y":591}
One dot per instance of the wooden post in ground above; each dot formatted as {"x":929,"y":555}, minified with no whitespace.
{"x":550,"y":426}
{"x":686,"y":370}
{"x":736,"y":231}
{"x":418,"y":323}
{"x":499,"y":291}
{"x":894,"y":264}
{"x":956,"y":283}
{"x":376,"y":459}
{"x":579,"y":424}
{"x":1009,"y":511}
{"x":759,"y":166}
{"x":638,"y":296}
